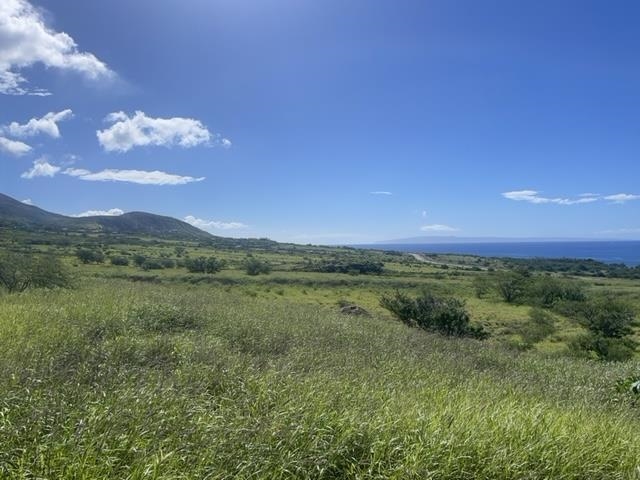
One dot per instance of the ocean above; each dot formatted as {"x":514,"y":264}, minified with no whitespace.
{"x":627,"y":252}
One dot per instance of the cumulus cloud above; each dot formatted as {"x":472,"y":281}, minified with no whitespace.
{"x":140,"y":130}
{"x":13,"y":147}
{"x":141,"y":177}
{"x":622,"y":197}
{"x":26,"y":40}
{"x":438,"y":228}
{"x":47,"y":125}
{"x":112,"y":212}
{"x":533,"y":196}
{"x":213,"y":224}
{"x":41,"y":168}
{"x":380,"y":192}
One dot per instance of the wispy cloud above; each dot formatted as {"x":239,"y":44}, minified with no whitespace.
{"x":112,"y":212}
{"x":27,"y":201}
{"x":381,"y":192}
{"x":437,"y":227}
{"x":140,"y":130}
{"x":13,"y":147}
{"x":47,"y":124}
{"x":141,"y":177}
{"x":533,"y":196}
{"x":27,"y":40}
{"x":214,"y":224}
{"x":41,"y":168}
{"x":622,"y":197}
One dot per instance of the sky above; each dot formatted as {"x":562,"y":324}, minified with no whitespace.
{"x":329,"y":122}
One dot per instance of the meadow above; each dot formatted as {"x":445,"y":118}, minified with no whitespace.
{"x":163,"y":373}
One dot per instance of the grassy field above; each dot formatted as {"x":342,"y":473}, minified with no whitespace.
{"x":166,"y":374}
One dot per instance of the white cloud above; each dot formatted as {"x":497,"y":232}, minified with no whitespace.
{"x":41,"y":168}
{"x":13,"y":147}
{"x":438,"y":228}
{"x":213,"y":225}
{"x":140,"y":130}
{"x":46,"y":125}
{"x":622,"y":197}
{"x":381,"y":193}
{"x":142,"y":177}
{"x":27,"y":201}
{"x":532,"y":196}
{"x":112,"y":212}
{"x":25,"y":40}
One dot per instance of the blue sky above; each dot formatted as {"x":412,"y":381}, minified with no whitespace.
{"x":328,"y":122}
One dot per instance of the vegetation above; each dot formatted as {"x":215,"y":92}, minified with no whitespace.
{"x":609,"y":323}
{"x":204,"y":265}
{"x":20,"y":272}
{"x":445,"y":315}
{"x":168,"y":372}
{"x":254,"y":266}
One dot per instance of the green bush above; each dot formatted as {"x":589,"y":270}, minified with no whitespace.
{"x":445,"y":315}
{"x":547,"y":291}
{"x":539,"y":326}
{"x":119,"y":261}
{"x":204,"y":265}
{"x":19,"y":272}
{"x":609,"y":323}
{"x":254,"y":266}
{"x":87,"y":255}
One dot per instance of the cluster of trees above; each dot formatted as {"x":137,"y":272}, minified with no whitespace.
{"x":19,"y":272}
{"x":204,"y":265}
{"x":536,"y":290}
{"x":574,"y":267}
{"x":441,"y":314}
{"x":608,"y":321}
{"x":354,"y":267}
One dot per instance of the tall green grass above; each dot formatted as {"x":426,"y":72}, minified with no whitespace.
{"x":130,"y":380}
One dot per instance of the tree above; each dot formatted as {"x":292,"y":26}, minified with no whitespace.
{"x":510,"y":285}
{"x":19,"y":272}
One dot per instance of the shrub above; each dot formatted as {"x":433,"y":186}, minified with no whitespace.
{"x":445,"y":315}
{"x":119,"y":261}
{"x":86,"y":255}
{"x":19,"y":272}
{"x":152,"y":264}
{"x":547,"y":291}
{"x":539,"y":326}
{"x":204,"y":265}
{"x":139,"y":260}
{"x":609,"y":323}
{"x":254,"y":266}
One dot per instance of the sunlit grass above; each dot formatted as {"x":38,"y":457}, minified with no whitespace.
{"x":129,"y":380}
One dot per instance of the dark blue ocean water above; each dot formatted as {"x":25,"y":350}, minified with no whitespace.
{"x":627,"y":252}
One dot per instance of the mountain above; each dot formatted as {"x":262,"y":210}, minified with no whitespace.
{"x":17,"y":215}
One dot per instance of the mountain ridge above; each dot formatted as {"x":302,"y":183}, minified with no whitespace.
{"x":16,"y":214}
